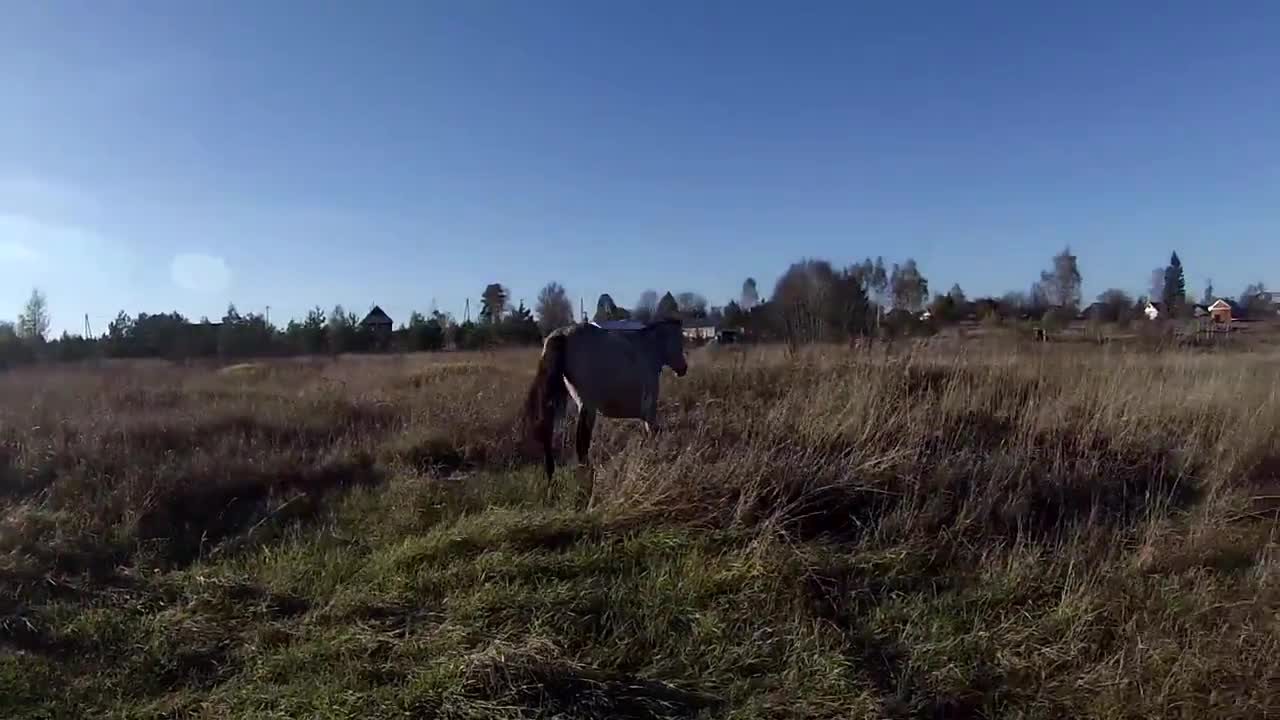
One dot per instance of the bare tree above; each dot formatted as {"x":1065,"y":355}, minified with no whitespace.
{"x":553,"y":307}
{"x":691,"y":305}
{"x":493,"y":303}
{"x":909,"y":288}
{"x":647,"y":306}
{"x":878,"y":282}
{"x":1037,"y":298}
{"x":818,"y":303}
{"x":1256,"y":301}
{"x":750,"y":295}
{"x":1061,"y":285}
{"x":1157,"y":284}
{"x":1116,"y":305}
{"x":1015,"y":302}
{"x":33,"y":323}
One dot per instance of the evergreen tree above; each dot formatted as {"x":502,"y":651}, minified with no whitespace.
{"x":1175,"y":287}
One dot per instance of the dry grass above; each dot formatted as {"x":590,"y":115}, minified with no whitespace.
{"x":1043,"y":532}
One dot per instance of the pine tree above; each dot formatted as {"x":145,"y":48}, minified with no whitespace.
{"x":1175,"y":287}
{"x":667,"y":308}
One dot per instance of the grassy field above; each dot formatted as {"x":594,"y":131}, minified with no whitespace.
{"x":1037,"y":532}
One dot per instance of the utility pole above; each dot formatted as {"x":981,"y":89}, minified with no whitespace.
{"x":268,"y":314}
{"x":88,"y":334}
{"x":466,"y":313}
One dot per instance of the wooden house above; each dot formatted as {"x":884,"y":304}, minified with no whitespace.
{"x":1224,"y":311}
{"x":378,"y":322}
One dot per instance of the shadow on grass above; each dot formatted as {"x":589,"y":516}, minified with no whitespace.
{"x":979,"y":483}
{"x":23,"y":632}
{"x":561,"y":690}
{"x":239,"y":429}
{"x":434,"y":456}
{"x":24,"y":624}
{"x":841,"y":596}
{"x":203,"y":511}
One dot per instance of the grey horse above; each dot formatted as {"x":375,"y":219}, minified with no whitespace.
{"x":614,"y":373}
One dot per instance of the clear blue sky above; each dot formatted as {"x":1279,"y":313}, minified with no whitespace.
{"x":328,"y":152}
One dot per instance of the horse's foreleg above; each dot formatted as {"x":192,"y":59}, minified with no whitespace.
{"x":650,"y":410}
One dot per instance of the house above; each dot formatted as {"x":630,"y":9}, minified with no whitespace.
{"x":1096,"y":311}
{"x":1200,"y":311}
{"x":694,"y":330}
{"x":1224,"y":311}
{"x":699,"y":329}
{"x":619,"y":324}
{"x":1155,"y":310}
{"x":377,"y":321}
{"x":1262,"y":305}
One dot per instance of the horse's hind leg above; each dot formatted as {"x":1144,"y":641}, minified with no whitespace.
{"x":586,"y":423}
{"x":546,"y":437}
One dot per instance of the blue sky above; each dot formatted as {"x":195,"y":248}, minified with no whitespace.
{"x":158,"y":155}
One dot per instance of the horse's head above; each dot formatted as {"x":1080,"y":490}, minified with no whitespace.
{"x":669,"y":335}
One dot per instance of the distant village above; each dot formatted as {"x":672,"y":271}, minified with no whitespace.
{"x":812,"y":301}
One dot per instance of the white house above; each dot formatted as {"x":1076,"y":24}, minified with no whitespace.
{"x":1153,"y":310}
{"x":699,"y":329}
{"x":693,"y":329}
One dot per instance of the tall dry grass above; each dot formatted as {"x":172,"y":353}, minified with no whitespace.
{"x":1022,"y":531}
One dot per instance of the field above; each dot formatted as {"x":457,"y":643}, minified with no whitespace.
{"x":1029,"y":531}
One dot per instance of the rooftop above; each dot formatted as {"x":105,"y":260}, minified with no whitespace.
{"x":376,"y":317}
{"x":619,"y":324}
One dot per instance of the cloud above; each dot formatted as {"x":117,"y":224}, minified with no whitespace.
{"x":201,"y":273}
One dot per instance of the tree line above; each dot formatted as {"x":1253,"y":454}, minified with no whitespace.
{"x":812,"y":301}
{"x":243,"y":335}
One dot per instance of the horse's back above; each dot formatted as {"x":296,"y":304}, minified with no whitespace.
{"x":605,"y":371}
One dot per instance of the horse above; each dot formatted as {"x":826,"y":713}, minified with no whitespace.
{"x":612,"y":373}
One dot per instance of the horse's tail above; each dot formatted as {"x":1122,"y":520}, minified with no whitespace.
{"x":546,"y":399}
